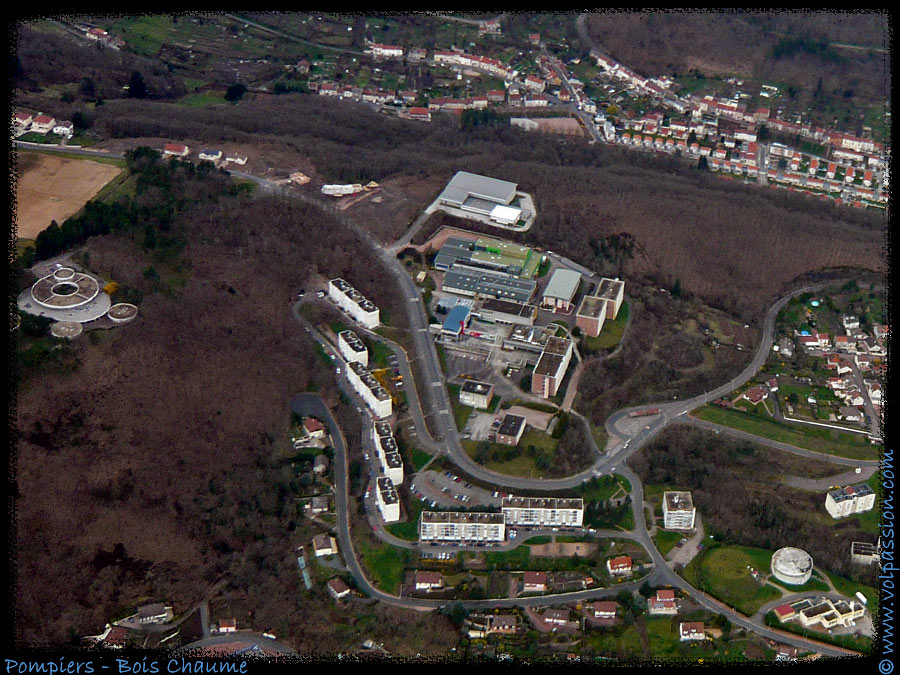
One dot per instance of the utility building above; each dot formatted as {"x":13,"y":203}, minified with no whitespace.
{"x":482,"y":195}
{"x":561,"y":291}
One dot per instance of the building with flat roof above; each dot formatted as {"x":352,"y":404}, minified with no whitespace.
{"x":849,"y":500}
{"x":614,"y":291}
{"x":466,"y":279}
{"x":476,"y":394}
{"x":551,"y":367}
{"x":378,"y":400}
{"x":387,"y":500}
{"x":456,"y":322}
{"x":462,"y":527}
{"x":505,"y":311}
{"x":543,"y":511}
{"x":481,"y":195}
{"x":511,"y":429}
{"x":792,"y":566}
{"x":830,"y":614}
{"x":352,"y":348}
{"x":864,"y":553}
{"x":354,"y":303}
{"x":678,"y":511}
{"x":561,"y":290}
{"x":591,"y":314}
{"x":387,"y":452}
{"x":529,"y":338}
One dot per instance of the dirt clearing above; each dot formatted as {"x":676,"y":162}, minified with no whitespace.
{"x":54,"y":188}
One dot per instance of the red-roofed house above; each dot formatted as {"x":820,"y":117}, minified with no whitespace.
{"x":756,"y":394}
{"x":227,"y":625}
{"x":42,"y":124}
{"x":534,"y":582}
{"x":338,"y":588}
{"x":425,"y":581}
{"x":115,"y":637}
{"x":422,"y":114}
{"x":663,"y":603}
{"x":313,"y":427}
{"x":619,"y":566}
{"x":605,"y":609}
{"x":23,"y":119}
{"x":691,"y":630}
{"x":176,"y":150}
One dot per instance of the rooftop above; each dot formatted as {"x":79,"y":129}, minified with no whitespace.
{"x":678,"y":501}
{"x":609,"y":288}
{"x":511,"y":425}
{"x":592,"y":307}
{"x":476,"y":387}
{"x":507,"y":307}
{"x":563,"y":284}
{"x":456,"y":517}
{"x":553,"y":503}
{"x":464,"y":185}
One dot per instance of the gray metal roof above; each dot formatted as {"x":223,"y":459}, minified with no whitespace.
{"x":489,"y":284}
{"x":464,"y":185}
{"x":563,"y":284}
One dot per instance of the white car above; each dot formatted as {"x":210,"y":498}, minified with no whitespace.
{"x":512,"y":534}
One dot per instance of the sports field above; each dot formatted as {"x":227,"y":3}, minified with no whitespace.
{"x":54,"y":188}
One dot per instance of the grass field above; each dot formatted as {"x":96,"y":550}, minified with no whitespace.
{"x":523,"y":465}
{"x":665,"y":541}
{"x":461,"y":413}
{"x":55,"y":188}
{"x":410,"y":529}
{"x":818,"y":439}
{"x":420,"y":458}
{"x":722,"y":572}
{"x":385,"y":564}
{"x":201,"y":99}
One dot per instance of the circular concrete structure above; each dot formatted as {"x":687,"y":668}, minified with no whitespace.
{"x":65,"y":295}
{"x":122,"y":312}
{"x":792,"y":566}
{"x":66,"y":329}
{"x":65,"y":289}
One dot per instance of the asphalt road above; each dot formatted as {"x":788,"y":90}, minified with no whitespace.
{"x":439,"y":402}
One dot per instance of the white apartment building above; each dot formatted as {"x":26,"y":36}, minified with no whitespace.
{"x":367,"y":386}
{"x":540,"y":511}
{"x":678,"y":511}
{"x":849,"y":500}
{"x":352,"y":348}
{"x":387,"y":452}
{"x":465,"y":527}
{"x":354,"y":303}
{"x":476,"y":394}
{"x":387,"y":500}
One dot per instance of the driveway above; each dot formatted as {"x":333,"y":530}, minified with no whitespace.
{"x":684,"y":554}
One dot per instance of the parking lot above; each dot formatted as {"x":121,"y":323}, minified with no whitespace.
{"x":446,"y":489}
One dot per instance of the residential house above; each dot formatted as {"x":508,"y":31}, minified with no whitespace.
{"x":619,"y":566}
{"x":176,"y":150}
{"x":313,"y":428}
{"x":210,"y":155}
{"x":320,"y":464}
{"x":534,"y":582}
{"x":154,"y":613}
{"x":850,"y":414}
{"x":691,"y":630}
{"x":64,"y":128}
{"x":227,"y":625}
{"x":427,"y":581}
{"x":663,"y":603}
{"x":605,"y":609}
{"x":42,"y":124}
{"x":324,"y":544}
{"x":337,"y":588}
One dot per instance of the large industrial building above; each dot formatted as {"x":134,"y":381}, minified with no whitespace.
{"x":849,"y":500}
{"x":368,"y":388}
{"x":352,"y":348}
{"x":483,"y":196}
{"x":551,"y":367}
{"x":504,"y":311}
{"x":354,"y":303}
{"x":561,"y":290}
{"x":462,"y":527}
{"x":387,"y":500}
{"x":465,"y":279}
{"x":543,"y":511}
{"x":501,"y":256}
{"x":678,"y":511}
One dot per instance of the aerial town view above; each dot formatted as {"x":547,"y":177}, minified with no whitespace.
{"x":541,"y":338}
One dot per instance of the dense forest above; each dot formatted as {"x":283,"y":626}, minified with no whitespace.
{"x":737,"y":490}
{"x":168,"y":435}
{"x":733,"y":245}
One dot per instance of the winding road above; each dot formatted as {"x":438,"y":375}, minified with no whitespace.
{"x":623,"y":441}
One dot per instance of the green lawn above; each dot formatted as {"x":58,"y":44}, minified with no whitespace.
{"x":722,"y":572}
{"x":611,"y":333}
{"x":818,"y":439}
{"x":523,"y":465}
{"x":410,"y":529}
{"x":601,"y":488}
{"x":461,"y":413}
{"x":665,"y":541}
{"x":385,"y":564}
{"x":420,"y":458}
{"x":379,"y":354}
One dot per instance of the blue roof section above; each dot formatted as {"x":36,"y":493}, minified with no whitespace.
{"x":458,"y":314}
